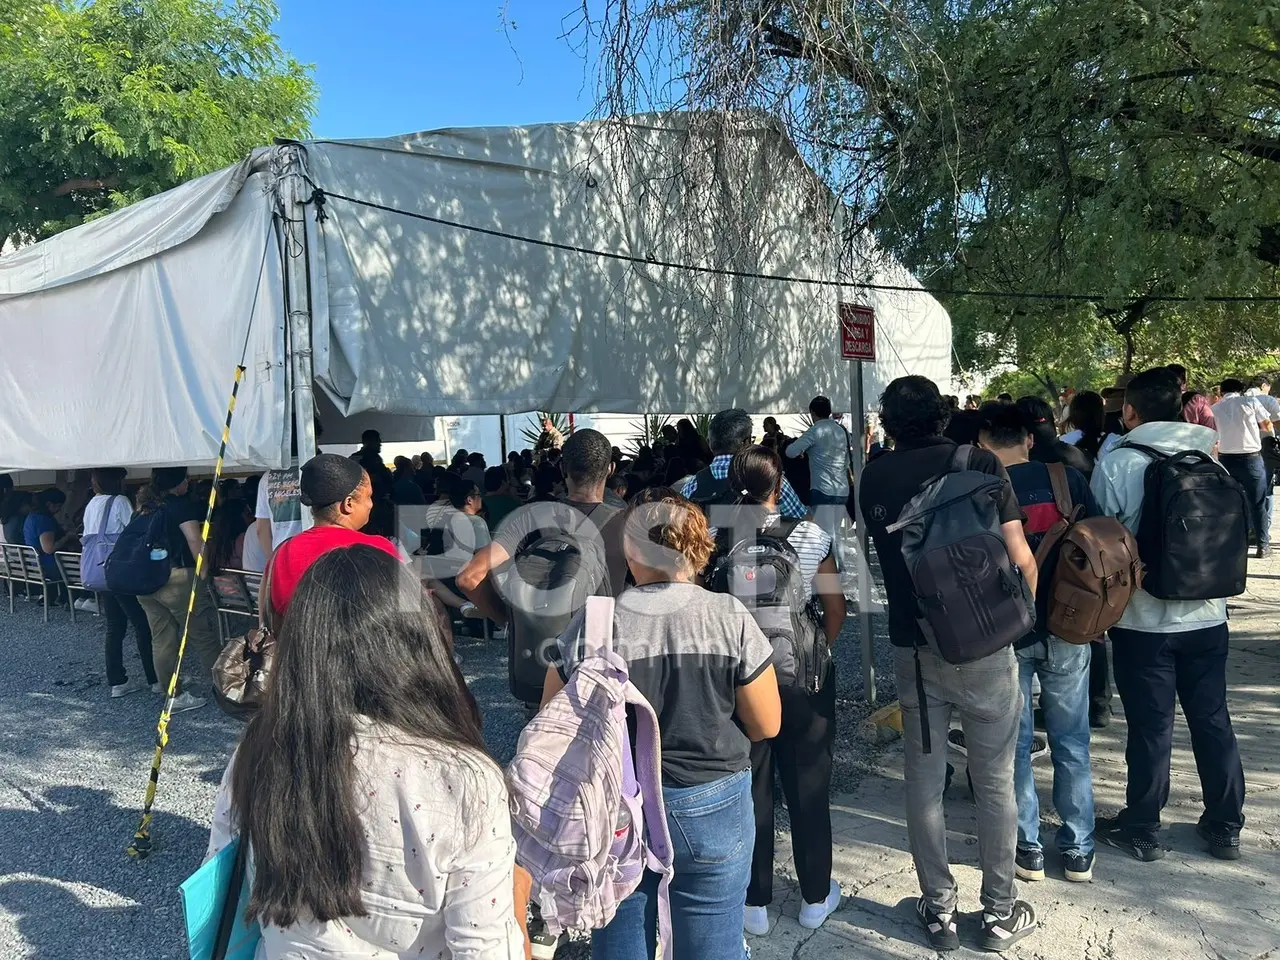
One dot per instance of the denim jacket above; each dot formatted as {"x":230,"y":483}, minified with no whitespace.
{"x":1118,"y":487}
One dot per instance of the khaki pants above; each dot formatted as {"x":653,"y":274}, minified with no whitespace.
{"x":167,"y":611}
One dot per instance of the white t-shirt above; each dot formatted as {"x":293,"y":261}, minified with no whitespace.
{"x":280,"y":501}
{"x":107,"y":514}
{"x":1271,"y":404}
{"x":1238,"y":420}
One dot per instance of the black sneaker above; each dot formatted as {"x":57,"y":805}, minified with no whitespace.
{"x":955,"y":737}
{"x":1078,"y":867}
{"x":999,"y":933}
{"x":544,"y":943}
{"x":1264,"y":553}
{"x":1143,"y":846}
{"x":1029,"y":864}
{"x":1039,"y":746}
{"x":940,"y":928}
{"x":1100,"y":716}
{"x":1224,"y":842}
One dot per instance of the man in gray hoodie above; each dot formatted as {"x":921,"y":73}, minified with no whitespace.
{"x":1167,"y":650}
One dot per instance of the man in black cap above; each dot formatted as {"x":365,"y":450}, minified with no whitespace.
{"x":340,"y":496}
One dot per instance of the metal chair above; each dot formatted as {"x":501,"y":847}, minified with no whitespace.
{"x":235,"y":594}
{"x":24,"y":567}
{"x":69,"y":564}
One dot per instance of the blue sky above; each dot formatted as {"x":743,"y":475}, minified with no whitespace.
{"x":398,"y":66}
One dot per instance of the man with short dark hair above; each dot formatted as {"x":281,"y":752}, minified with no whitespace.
{"x":729,"y":432}
{"x":369,"y":456}
{"x":1166,"y":651}
{"x":499,"y":501}
{"x":984,"y":692}
{"x":829,"y":448}
{"x":1062,"y":667}
{"x":587,"y":463}
{"x":1242,"y":423}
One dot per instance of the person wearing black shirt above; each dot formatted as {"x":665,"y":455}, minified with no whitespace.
{"x":166,"y":609}
{"x":985,"y":693}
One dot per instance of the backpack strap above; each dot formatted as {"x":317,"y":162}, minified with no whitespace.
{"x":1151,"y":452}
{"x":1062,"y":500}
{"x":962,"y":459}
{"x":659,"y":854}
{"x":1061,"y":488}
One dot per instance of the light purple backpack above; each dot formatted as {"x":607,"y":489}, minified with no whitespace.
{"x":577,"y":796}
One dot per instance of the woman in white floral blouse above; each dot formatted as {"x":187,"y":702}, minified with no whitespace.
{"x":377,"y":825}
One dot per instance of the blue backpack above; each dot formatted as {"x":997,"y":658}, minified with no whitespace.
{"x":139,"y":563}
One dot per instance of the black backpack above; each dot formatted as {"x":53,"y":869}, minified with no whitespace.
{"x":763,"y":571}
{"x":139,"y":563}
{"x":547,"y":584}
{"x":709,"y":489}
{"x":1193,"y":534}
{"x":972,"y":600}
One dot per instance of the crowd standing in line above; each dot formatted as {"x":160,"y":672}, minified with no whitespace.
{"x":728,"y":601}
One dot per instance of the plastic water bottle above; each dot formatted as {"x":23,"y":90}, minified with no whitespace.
{"x":624,"y":823}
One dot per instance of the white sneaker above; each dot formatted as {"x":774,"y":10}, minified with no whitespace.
{"x":185,"y":701}
{"x":79,"y":604}
{"x":755,"y":920}
{"x":124,"y":689}
{"x":159,"y":688}
{"x":813,"y":915}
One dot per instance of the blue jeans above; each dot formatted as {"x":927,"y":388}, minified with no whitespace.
{"x":1063,"y":669}
{"x":1250,"y":473}
{"x":828,"y":511}
{"x":713,"y":833}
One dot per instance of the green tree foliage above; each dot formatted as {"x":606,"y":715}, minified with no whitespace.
{"x":107,"y":102}
{"x":1128,"y":150}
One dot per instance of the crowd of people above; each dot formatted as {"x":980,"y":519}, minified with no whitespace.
{"x":379,"y":823}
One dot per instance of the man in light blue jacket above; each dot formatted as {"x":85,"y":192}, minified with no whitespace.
{"x":1167,"y":650}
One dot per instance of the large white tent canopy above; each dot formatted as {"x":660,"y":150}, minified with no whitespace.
{"x":459,"y":272}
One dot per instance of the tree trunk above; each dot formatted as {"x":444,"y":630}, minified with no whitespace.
{"x":1129,"y":347}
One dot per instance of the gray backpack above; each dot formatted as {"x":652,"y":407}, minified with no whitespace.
{"x":973,"y":601}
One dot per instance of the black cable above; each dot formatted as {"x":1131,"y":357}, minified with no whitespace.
{"x":319,"y":196}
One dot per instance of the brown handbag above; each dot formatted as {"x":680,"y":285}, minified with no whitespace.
{"x":243,"y":669}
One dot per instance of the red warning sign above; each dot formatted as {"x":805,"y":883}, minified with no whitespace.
{"x":857,"y":332}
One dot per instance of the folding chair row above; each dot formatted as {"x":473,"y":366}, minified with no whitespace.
{"x":235,"y":594}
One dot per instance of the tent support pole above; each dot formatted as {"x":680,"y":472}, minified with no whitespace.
{"x":298,"y":265}
{"x":859,"y":419}
{"x":502,"y":434}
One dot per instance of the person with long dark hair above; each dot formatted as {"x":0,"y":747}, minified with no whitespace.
{"x":1047,"y":448}
{"x":1087,"y":417}
{"x":706,"y":668}
{"x":107,"y":514}
{"x":377,"y":823}
{"x":13,"y":514}
{"x":802,"y":751}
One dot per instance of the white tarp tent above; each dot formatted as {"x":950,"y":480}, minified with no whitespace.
{"x":430,"y":275}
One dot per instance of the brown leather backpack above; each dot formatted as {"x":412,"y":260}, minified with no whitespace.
{"x":1097,"y":572}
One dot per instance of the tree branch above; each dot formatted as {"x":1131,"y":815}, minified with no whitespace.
{"x":86,"y":183}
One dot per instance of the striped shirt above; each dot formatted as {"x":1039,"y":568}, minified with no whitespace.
{"x":788,"y":503}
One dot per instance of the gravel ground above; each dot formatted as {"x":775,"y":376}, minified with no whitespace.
{"x":74,"y":764}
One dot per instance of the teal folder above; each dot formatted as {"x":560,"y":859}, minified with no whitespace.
{"x":203,"y":895}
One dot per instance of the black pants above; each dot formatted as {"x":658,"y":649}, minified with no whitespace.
{"x":802,"y":753}
{"x":1151,"y":670}
{"x":1099,"y":675}
{"x":120,"y":611}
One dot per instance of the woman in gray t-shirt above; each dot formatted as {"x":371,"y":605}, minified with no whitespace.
{"x":705,"y":667}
